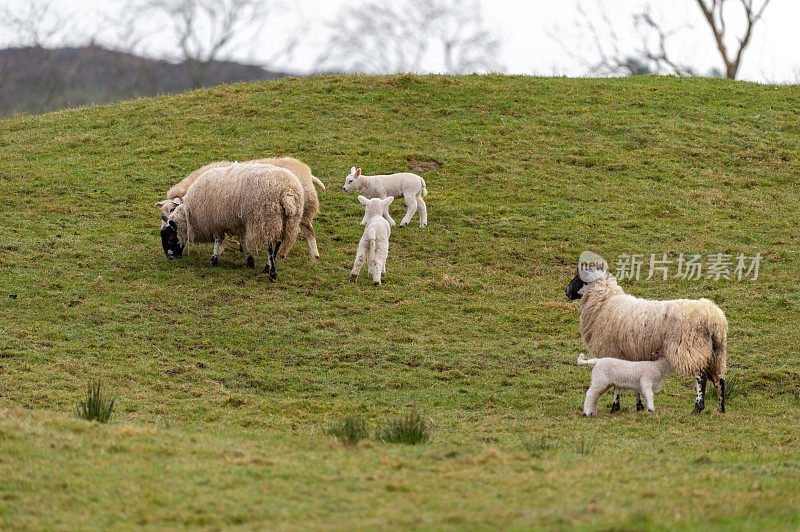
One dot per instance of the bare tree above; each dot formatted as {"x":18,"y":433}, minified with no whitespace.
{"x":655,"y":54}
{"x":388,"y":37}
{"x":715,"y":17}
{"x":204,"y":29}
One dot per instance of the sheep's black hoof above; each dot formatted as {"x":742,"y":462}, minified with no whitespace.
{"x":614,"y":407}
{"x":214,"y":261}
{"x":273,"y":275}
{"x":639,"y":406}
{"x":376,"y":283}
{"x":697,"y":409}
{"x":251,"y":263}
{"x":353,"y":278}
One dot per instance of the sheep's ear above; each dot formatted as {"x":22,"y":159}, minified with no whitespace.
{"x":177,"y":201}
{"x":160,"y":204}
{"x":164,"y":217}
{"x":387,"y":201}
{"x":358,"y":172}
{"x":362,"y":200}
{"x":589,"y":276}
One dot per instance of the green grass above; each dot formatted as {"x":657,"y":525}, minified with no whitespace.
{"x":224,"y":382}
{"x":349,"y":429}
{"x":96,"y":407}
{"x":408,"y":429}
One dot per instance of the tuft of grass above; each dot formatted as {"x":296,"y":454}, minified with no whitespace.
{"x":536,"y":446}
{"x":95,"y":407}
{"x":732,"y":390}
{"x":410,"y":429}
{"x":349,"y":429}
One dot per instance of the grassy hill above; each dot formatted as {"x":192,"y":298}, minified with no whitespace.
{"x":225,"y":382}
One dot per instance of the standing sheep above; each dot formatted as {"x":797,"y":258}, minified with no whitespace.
{"x":259,"y":203}
{"x":690,"y":334}
{"x":374,"y":244}
{"x":410,"y":186}
{"x":299,"y":168}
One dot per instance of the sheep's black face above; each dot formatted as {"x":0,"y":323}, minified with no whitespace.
{"x":169,"y":239}
{"x":574,"y":289}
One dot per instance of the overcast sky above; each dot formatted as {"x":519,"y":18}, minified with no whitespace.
{"x":529,"y":31}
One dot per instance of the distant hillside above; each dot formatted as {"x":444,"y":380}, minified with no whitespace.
{"x":36,"y":80}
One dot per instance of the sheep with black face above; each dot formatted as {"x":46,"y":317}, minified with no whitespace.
{"x":260,"y":204}
{"x":690,"y":334}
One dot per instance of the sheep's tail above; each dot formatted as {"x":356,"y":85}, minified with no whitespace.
{"x":290,"y":205}
{"x":317,"y":182}
{"x":424,"y":187}
{"x":583,"y":362}
{"x":719,"y":344}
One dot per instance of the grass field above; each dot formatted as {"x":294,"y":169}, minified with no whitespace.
{"x":225,"y":383}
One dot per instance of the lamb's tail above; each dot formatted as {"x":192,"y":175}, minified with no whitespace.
{"x":583,"y":362}
{"x":373,"y":243}
{"x":317,"y":182}
{"x":424,"y":187}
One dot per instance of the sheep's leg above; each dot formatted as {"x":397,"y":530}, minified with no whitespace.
{"x":311,"y":240}
{"x":251,"y":263}
{"x":361,"y":257}
{"x":639,"y":405}
{"x":719,"y":385}
{"x":423,"y":212}
{"x":615,"y":405}
{"x":269,"y":269}
{"x":215,"y":255}
{"x":273,"y":272}
{"x":700,"y":399}
{"x":411,"y":204}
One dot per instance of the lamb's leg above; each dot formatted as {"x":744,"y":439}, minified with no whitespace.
{"x":615,"y":405}
{"x":361,"y":257}
{"x":719,"y":385}
{"x":380,"y":262}
{"x":311,"y":240}
{"x":647,"y":391}
{"x":700,"y":399}
{"x":593,"y":396}
{"x":411,"y":204}
{"x":251,"y":263}
{"x":639,"y":405}
{"x":423,"y":212}
{"x":215,"y":255}
{"x":386,"y":215}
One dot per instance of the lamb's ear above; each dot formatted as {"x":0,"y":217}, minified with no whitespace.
{"x":352,"y":170}
{"x":358,"y":172}
{"x":387,"y":201}
{"x":177,"y":201}
{"x":362,"y":200}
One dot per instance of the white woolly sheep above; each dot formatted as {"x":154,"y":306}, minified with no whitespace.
{"x":646,"y":377}
{"x":299,"y":168}
{"x":410,"y":186}
{"x":374,"y":244}
{"x":691,"y":334}
{"x":259,"y":203}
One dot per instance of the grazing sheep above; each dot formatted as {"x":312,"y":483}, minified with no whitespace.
{"x":300,"y":169}
{"x":259,"y":203}
{"x":410,"y":186}
{"x":690,"y":334}
{"x":646,"y":377}
{"x":374,"y":244}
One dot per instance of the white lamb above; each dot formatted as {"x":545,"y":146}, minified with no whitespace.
{"x":645,"y":377}
{"x":410,"y":186}
{"x":374,"y":244}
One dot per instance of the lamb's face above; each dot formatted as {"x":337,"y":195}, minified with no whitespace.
{"x":575,"y":288}
{"x":351,"y":181}
{"x":170,"y":235}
